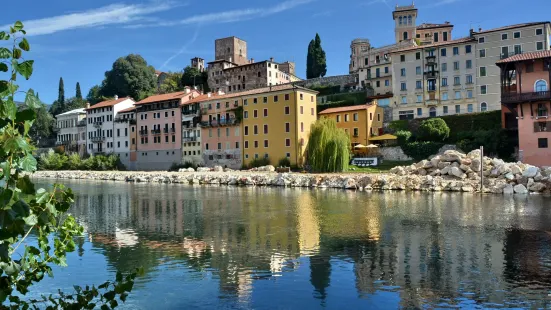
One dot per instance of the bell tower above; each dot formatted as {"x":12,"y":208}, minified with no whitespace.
{"x":405,"y":21}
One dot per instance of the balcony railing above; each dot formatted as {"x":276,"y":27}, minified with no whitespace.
{"x":431,"y":74}
{"x":510,"y":54}
{"x":165,"y":130}
{"x":98,"y":139}
{"x":431,"y":60}
{"x":525,"y":97}
{"x":172,"y":130}
{"x":98,"y":124}
{"x":155,"y":131}
{"x":81,"y":123}
{"x":189,"y":112}
{"x":143,"y":132}
{"x":431,"y":88}
{"x":222,"y":122}
{"x":189,"y":139}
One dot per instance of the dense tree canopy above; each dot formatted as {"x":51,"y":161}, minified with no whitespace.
{"x":193,"y":77}
{"x":172,"y":82}
{"x":328,"y":148}
{"x":130,"y":76}
{"x":433,"y":129}
{"x":316,"y":64}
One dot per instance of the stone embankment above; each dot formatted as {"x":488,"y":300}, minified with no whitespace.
{"x":450,"y":171}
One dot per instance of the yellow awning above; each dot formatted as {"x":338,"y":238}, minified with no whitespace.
{"x":384,"y":137}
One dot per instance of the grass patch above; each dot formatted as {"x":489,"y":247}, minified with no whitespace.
{"x":382,"y":168}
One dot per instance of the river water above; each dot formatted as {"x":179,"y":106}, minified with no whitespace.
{"x":244,"y":248}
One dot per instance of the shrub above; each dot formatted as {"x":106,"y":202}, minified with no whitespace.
{"x":403,"y":136}
{"x":52,"y":161}
{"x":421,"y":150}
{"x":284,"y":162}
{"x":259,"y":162}
{"x":398,"y":125}
{"x":433,"y":129}
{"x":55,"y":161}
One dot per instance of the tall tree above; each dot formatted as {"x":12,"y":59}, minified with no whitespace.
{"x":328,"y":147}
{"x":172,"y":82}
{"x":319,"y":58}
{"x":78,"y":93}
{"x":61,"y":92}
{"x":310,"y":70}
{"x":193,"y":77}
{"x":94,"y":95}
{"x":130,"y":76}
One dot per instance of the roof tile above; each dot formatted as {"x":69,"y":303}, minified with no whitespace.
{"x":164,"y":97}
{"x":526,"y":56}
{"x":108,"y":103}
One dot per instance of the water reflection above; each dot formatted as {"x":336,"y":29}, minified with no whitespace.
{"x":314,"y":248}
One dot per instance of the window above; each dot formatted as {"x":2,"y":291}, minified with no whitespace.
{"x":287,"y":142}
{"x":404,"y":100}
{"x":338,"y":118}
{"x":419,"y":112}
{"x":405,"y":115}
{"x":432,"y":112}
{"x":456,"y":80}
{"x":255,"y":113}
{"x":468,"y":49}
{"x":444,"y":96}
{"x":482,"y":53}
{"x":265,"y":143}
{"x":541,"y":85}
{"x":456,"y":50}
{"x":419,"y":98}
{"x":312,"y":111}
{"x":503,"y":36}
{"x":469,"y":64}
{"x":418,"y":85}
{"x":378,"y":117}
{"x":265,"y":112}
{"x":246,"y":114}
{"x":355,"y":117}
{"x":457,"y":108}
{"x":470,"y":108}
{"x":378,"y":83}
{"x":402,"y":58}
{"x":255,"y":101}
{"x":482,"y":71}
{"x":445,"y":35}
{"x":346,"y":117}
{"x":418,"y":55}
{"x":256,"y":144}
{"x":483,"y":89}
{"x":539,"y":31}
{"x":444,"y":67}
{"x":436,"y":37}
{"x":418,"y":70}
{"x":542,"y":143}
{"x":245,"y":102}
{"x":246,"y":130}
{"x":469,"y":94}
{"x":539,"y":46}
{"x":301,"y":127}
{"x":403,"y":86}
{"x":469,"y":79}
{"x":444,"y":81}
{"x":301,"y":110}
{"x":287,"y":110}
{"x":255,"y":129}
{"x":456,"y":65}
{"x":275,"y":98}
{"x":287,"y":127}
{"x":458,"y":95}
{"x":481,"y":40}
{"x":445,"y":109}
{"x":403,"y":72}
{"x":387,"y":82}
{"x":356,"y":132}
{"x":386,"y":69}
{"x":265,"y":100}
{"x":443,"y":52}
{"x":118,"y":144}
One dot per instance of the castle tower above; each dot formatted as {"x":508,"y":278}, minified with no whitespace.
{"x":405,"y":21}
{"x":198,"y":63}
{"x":231,"y":49}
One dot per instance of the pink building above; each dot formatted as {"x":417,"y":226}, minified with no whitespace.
{"x":159,"y":125}
{"x":525,"y":91}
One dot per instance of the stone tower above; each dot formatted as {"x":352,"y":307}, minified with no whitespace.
{"x":198,"y":63}
{"x":231,"y":49}
{"x":405,"y":21}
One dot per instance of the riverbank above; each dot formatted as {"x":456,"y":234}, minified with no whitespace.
{"x":451,"y":171}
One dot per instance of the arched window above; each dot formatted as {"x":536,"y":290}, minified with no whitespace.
{"x":541,"y":85}
{"x":483,"y":107}
{"x":432,"y":112}
{"x":400,"y":20}
{"x":405,"y":35}
{"x":409,"y":20}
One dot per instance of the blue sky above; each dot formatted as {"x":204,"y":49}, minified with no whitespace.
{"x":79,"y":40}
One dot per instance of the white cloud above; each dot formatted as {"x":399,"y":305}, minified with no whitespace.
{"x":94,"y":18}
{"x":182,"y":50}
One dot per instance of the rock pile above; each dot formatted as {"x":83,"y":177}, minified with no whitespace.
{"x":498,"y":176}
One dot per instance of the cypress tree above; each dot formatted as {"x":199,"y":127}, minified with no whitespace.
{"x":328,"y":147}
{"x":78,"y":93}
{"x":61,"y":94}
{"x":319,"y":58}
{"x":310,"y":70}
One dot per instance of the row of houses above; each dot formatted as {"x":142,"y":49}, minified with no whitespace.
{"x":218,"y":128}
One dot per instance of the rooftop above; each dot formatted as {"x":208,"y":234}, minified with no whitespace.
{"x":527,"y":56}
{"x":75,"y":111}
{"x":452,"y":42}
{"x":108,"y":103}
{"x":131,"y":109}
{"x":431,"y":26}
{"x":165,"y":97}
{"x":345,"y":109}
{"x":511,"y":27}
{"x":405,"y":8}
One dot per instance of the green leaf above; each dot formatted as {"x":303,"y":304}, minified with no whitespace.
{"x":4,"y":252}
{"x":109,"y":295}
{"x":25,"y":184}
{"x":105,"y":307}
{"x":119,"y":276}
{"x":21,"y":208}
{"x":4,"y":53}
{"x":5,"y":196}
{"x":18,"y":25}
{"x":25,"y":115}
{"x":3,"y":67}
{"x":28,"y":163}
{"x":25,"y":68}
{"x":31,"y":101}
{"x":31,"y":220}
{"x":17,"y":53}
{"x":8,"y":109}
{"x":113,"y":303}
{"x":17,"y":143}
{"x":41,"y":196}
{"x":104,"y":285}
{"x":10,"y":267}
{"x":5,"y":169}
{"x":2,"y":35}
{"x":24,"y":45}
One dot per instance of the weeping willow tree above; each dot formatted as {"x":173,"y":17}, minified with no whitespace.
{"x":328,"y":147}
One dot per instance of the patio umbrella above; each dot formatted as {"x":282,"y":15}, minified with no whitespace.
{"x":360,"y":146}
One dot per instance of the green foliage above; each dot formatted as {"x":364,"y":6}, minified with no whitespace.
{"x":78,"y":93}
{"x":61,"y":92}
{"x":421,"y":150}
{"x":171,"y":83}
{"x":316,"y":64}
{"x":25,"y":209}
{"x":130,"y":76}
{"x":284,"y":162}
{"x":259,"y":162}
{"x":193,"y":77}
{"x":349,"y":98}
{"x":43,"y":124}
{"x":60,"y":161}
{"x":328,"y":147}
{"x":403,"y":136}
{"x":433,"y":129}
{"x":327,"y":90}
{"x":94,"y":95}
{"x":496,"y":142}
{"x":398,"y":125}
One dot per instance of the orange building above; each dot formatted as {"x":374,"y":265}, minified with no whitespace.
{"x":525,"y":93}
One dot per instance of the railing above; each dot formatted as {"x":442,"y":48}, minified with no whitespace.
{"x":431,"y":88}
{"x":525,"y":97}
{"x":215,"y":123}
{"x":510,"y":54}
{"x":431,"y":60}
{"x":97,"y":124}
{"x":81,"y":123}
{"x":155,"y":131}
{"x":165,"y":130}
{"x":172,"y":130}
{"x":97,"y":139}
{"x":431,"y":74}
{"x":189,"y":139}
{"x":143,"y":132}
{"x":189,"y":112}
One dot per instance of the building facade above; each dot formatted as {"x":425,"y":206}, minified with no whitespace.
{"x":71,"y":131}
{"x":125,"y":122}
{"x":361,"y":122}
{"x":100,"y":124}
{"x":525,"y":81}
{"x":191,"y":131}
{"x":159,"y":124}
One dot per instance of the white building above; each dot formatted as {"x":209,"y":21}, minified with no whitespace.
{"x":71,"y":130}
{"x":100,"y":125}
{"x":191,"y":133}
{"x":124,"y":122}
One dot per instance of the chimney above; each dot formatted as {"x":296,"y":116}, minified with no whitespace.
{"x":116,"y":97}
{"x":220,"y":92}
{"x":271,"y":59}
{"x":447,"y":22}
{"x":209,"y":94}
{"x":252,"y":60}
{"x":479,"y":29}
{"x":186,"y":90}
{"x":88,"y":105}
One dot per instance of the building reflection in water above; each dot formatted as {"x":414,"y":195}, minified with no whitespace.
{"x":430,"y":248}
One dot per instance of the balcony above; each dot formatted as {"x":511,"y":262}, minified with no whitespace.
{"x":510,"y":54}
{"x":98,"y":124}
{"x":431,"y":60}
{"x":165,"y":130}
{"x":190,"y":112}
{"x":56,"y":129}
{"x":189,"y":139}
{"x":155,"y":131}
{"x":97,"y":139}
{"x":431,"y":88}
{"x":431,"y":74}
{"x":431,"y":102}
{"x":81,"y":123}
{"x":525,"y":97}
{"x":143,"y":132}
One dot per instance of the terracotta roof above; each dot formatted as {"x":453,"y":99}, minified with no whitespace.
{"x":452,"y":42}
{"x":431,"y":26}
{"x":108,"y":103}
{"x":158,"y":72}
{"x":268,"y":89}
{"x":127,"y":110}
{"x":165,"y":97}
{"x":345,"y":109}
{"x":527,"y":56}
{"x":512,"y":27}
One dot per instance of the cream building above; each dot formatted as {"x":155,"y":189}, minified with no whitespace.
{"x":70,"y":127}
{"x":122,"y":133}
{"x":191,"y":133}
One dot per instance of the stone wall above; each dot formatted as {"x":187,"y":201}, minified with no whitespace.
{"x":394,"y":153}
{"x":342,"y":80}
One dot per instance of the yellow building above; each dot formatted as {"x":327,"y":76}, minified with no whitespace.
{"x":361,"y":122}
{"x":276,"y":123}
